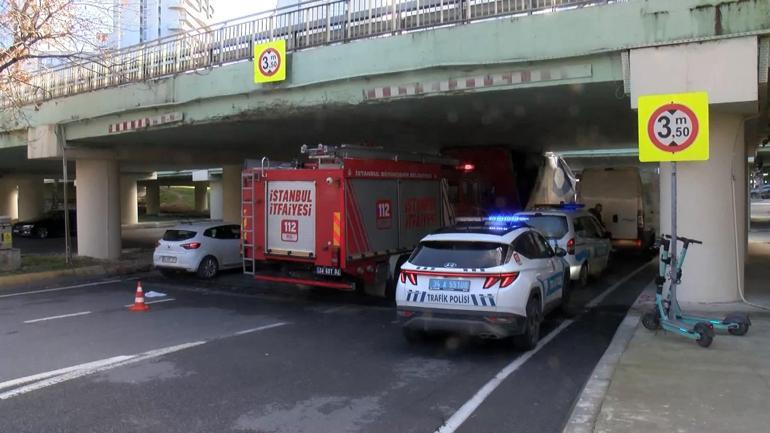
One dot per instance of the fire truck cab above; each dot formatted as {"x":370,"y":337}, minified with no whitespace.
{"x":347,"y":218}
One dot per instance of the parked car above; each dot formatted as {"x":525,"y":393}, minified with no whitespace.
{"x":204,"y":248}
{"x":49,"y":225}
{"x":493,"y":278}
{"x":578,"y":232}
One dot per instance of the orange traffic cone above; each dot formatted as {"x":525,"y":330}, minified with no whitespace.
{"x":139,"y":304}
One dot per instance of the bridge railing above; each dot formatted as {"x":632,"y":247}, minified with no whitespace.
{"x":305,"y":25}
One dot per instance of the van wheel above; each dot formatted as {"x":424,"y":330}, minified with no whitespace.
{"x":528,"y":340}
{"x":208,"y":268}
{"x":583,"y":276}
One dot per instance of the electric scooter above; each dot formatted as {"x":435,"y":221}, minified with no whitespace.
{"x":733,"y":323}
{"x":667,"y":314}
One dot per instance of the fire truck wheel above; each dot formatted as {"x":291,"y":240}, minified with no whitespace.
{"x":208,"y":268}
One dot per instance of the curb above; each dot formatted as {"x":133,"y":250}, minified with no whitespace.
{"x":589,"y":404}
{"x":95,"y":270}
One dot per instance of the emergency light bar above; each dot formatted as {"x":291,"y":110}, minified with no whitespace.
{"x":507,"y":218}
{"x":565,"y":206}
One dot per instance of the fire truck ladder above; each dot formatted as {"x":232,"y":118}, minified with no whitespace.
{"x":248,"y":201}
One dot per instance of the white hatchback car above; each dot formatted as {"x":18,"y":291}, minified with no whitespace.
{"x":203,"y":248}
{"x":574,"y":229}
{"x":493,"y":277}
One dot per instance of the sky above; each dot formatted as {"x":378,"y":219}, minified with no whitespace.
{"x":229,"y":9}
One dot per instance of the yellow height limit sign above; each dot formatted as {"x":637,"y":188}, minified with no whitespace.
{"x":270,"y":62}
{"x":674,"y":127}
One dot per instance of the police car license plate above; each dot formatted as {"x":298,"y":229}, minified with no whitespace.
{"x":328,"y":271}
{"x":450,"y":285}
{"x":168,"y":259}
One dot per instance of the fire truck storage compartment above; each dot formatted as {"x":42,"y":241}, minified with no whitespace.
{"x":330,"y":224}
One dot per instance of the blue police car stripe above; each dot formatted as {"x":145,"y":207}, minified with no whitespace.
{"x":583,"y":255}
{"x":483,"y":302}
{"x":473,"y":298}
{"x":422,"y":299}
{"x":491,"y":300}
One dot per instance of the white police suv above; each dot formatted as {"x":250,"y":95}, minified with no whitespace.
{"x":571,"y":227}
{"x":494,"y":277}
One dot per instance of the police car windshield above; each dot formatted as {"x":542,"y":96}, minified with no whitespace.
{"x":553,"y":226}
{"x":456,"y":254}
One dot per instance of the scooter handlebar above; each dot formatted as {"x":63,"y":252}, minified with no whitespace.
{"x":684,"y":239}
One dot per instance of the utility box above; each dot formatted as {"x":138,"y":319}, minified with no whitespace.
{"x":6,"y":238}
{"x":10,"y":258}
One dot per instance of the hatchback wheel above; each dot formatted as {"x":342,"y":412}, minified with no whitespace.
{"x":528,"y":340}
{"x":208,"y":268}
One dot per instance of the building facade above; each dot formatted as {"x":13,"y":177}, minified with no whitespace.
{"x":139,"y":21}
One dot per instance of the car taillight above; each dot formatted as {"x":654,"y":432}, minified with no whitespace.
{"x":411,"y":276}
{"x":191,"y":246}
{"x":571,"y":246}
{"x":504,"y":279}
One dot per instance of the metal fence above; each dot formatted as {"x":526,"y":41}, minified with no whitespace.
{"x":305,"y":25}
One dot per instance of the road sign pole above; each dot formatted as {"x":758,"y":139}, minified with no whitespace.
{"x":673,"y":241}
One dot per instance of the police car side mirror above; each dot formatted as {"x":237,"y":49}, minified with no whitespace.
{"x":560,"y":252}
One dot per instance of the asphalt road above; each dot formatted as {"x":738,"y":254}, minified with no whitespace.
{"x":233,"y":356}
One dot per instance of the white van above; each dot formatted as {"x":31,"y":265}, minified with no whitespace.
{"x":619,"y":191}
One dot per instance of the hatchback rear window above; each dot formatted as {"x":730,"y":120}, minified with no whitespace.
{"x":552,"y":226}
{"x":178,"y":235}
{"x":444,"y":254}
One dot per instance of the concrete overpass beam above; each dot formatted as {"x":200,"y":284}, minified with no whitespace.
{"x":129,"y":209}
{"x":712,"y":194}
{"x":231,"y":193}
{"x":98,"y":208}
{"x":152,"y":198}
{"x":201,"y":196}
{"x":31,"y":197}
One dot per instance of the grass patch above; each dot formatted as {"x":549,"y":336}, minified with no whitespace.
{"x":177,"y":198}
{"x":49,"y":262}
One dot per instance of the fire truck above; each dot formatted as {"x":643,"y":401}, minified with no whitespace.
{"x":347,"y":218}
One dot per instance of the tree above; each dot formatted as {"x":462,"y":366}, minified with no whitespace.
{"x":36,"y":34}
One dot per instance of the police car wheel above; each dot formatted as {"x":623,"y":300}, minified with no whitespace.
{"x":583,"y":276}
{"x":528,"y":340}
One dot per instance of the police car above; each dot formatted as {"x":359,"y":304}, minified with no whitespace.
{"x":494,"y":277}
{"x":577,"y":231}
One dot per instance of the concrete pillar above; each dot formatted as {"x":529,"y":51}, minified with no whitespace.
{"x":216,"y":200}
{"x":152,"y":198}
{"x":31,"y":197}
{"x":201,"y":196}
{"x":9,"y":194}
{"x":129,"y":207}
{"x":98,"y":208}
{"x":231,"y":193}
{"x":711,"y":208}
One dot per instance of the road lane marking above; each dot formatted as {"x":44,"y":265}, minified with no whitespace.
{"x":154,"y":302}
{"x":470,"y":406}
{"x":336,"y":309}
{"x":62,"y":316}
{"x":91,"y":370}
{"x":260,"y":328}
{"x":36,"y":377}
{"x":58,"y":289}
{"x":50,"y":378}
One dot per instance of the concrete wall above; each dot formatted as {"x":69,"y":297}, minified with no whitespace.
{"x":711,"y":208}
{"x":98,"y":205}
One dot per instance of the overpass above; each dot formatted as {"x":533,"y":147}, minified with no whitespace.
{"x":417,"y":75}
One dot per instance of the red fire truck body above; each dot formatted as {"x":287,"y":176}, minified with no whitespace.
{"x":339,"y":222}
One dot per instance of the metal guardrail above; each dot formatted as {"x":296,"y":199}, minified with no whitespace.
{"x":305,"y":25}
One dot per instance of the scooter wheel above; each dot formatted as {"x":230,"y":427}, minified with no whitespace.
{"x":705,"y":334}
{"x":651,"y":320}
{"x":742,"y":329}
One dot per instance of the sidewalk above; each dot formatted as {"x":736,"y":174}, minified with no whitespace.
{"x":659,"y":382}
